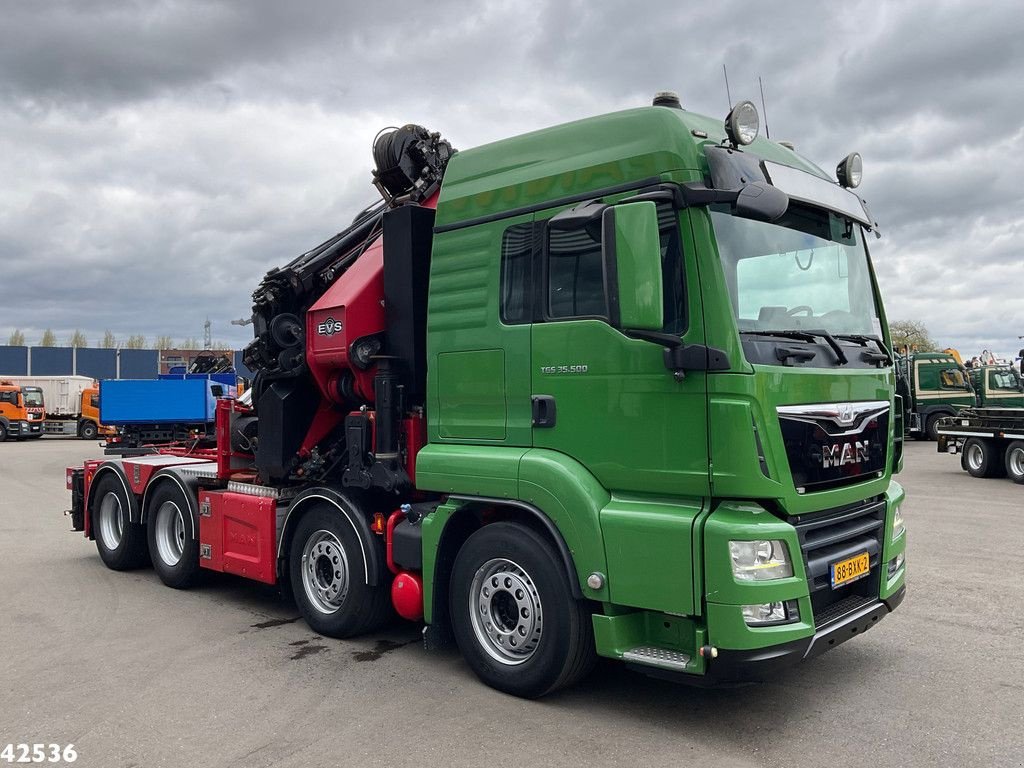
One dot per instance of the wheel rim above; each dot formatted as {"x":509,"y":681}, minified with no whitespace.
{"x":325,"y":571}
{"x":169,"y":529}
{"x":974,"y":456}
{"x":1016,"y":462}
{"x":111,"y":520}
{"x":506,"y":611}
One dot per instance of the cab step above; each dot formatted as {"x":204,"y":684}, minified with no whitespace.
{"x":663,"y":658}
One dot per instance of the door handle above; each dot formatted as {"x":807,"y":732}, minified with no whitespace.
{"x":543,"y":411}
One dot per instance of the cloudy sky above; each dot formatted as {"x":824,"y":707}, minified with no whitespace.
{"x":158,"y":157}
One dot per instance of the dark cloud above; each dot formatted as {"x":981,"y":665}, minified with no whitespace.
{"x":158,"y":157}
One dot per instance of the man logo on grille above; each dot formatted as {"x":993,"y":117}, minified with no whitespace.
{"x":839,"y":455}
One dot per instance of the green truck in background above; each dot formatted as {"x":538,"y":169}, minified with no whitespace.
{"x":997,"y":386}
{"x":658,"y":397}
{"x":932,"y":385}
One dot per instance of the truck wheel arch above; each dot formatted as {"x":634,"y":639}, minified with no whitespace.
{"x":189,"y":486}
{"x":467,"y":520}
{"x":370,"y":547}
{"x":134,"y":514}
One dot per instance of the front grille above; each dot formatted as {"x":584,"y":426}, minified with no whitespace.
{"x":830,"y":536}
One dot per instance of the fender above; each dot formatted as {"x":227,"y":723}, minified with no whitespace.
{"x":189,"y":487}
{"x":563,"y":550}
{"x":372,"y":563}
{"x":134,"y":515}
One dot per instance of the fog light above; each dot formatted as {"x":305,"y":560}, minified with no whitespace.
{"x":760,"y":560}
{"x":898,"y":526}
{"x":766,"y":614}
{"x":896,"y":563}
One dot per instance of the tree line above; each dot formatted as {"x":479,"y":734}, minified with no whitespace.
{"x":110,"y":341}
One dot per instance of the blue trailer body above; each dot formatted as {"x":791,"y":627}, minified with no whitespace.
{"x":160,"y":401}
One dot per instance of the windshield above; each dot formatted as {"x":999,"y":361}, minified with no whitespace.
{"x":1004,"y":379}
{"x":809,"y":270}
{"x":33,"y":397}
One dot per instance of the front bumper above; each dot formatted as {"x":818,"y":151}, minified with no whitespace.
{"x":761,"y":663}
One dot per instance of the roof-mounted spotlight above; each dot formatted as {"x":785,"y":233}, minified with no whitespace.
{"x":850,"y":170}
{"x":742,"y":123}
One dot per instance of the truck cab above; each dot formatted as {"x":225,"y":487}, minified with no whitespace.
{"x":21,"y":411}
{"x":997,"y":386}
{"x":933,"y":385}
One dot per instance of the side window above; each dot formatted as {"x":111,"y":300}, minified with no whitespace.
{"x":94,"y":401}
{"x":575,"y":276}
{"x":517,"y":274}
{"x":672,"y":270}
{"x":953,"y":378}
{"x":5,"y":397}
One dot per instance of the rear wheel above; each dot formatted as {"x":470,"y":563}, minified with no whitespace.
{"x":1015,"y":461}
{"x":171,"y":535}
{"x":328,"y":577}
{"x":87,"y":430}
{"x":982,"y":458}
{"x":120,"y":542}
{"x":513,"y":613}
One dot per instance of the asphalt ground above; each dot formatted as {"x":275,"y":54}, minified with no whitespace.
{"x":135,"y":674}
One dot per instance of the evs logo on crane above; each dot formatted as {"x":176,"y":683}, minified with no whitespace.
{"x":329,"y":327}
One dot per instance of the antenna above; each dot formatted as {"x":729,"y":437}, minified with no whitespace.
{"x":764,"y":109}
{"x":727,"y":94}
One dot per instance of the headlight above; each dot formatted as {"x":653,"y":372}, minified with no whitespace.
{"x":898,"y":526}
{"x":760,"y":560}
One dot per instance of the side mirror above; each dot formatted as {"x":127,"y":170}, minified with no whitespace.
{"x":761,"y":201}
{"x":633,"y":245}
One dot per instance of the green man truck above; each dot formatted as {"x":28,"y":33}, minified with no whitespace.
{"x":932,"y":386}
{"x":621,"y":387}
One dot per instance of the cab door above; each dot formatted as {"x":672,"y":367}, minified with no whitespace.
{"x":603,"y":398}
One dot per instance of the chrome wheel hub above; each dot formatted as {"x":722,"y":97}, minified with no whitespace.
{"x":170,"y":533}
{"x":111,"y":521}
{"x":325,"y":571}
{"x":1017,"y":462}
{"x":506,"y":611}
{"x":974,"y":456}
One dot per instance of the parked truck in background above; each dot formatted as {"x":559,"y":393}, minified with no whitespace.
{"x":70,"y":404}
{"x":620,"y":387}
{"x":990,"y":441}
{"x":932,"y":385}
{"x":170,"y":408}
{"x":21,"y":411}
{"x":997,"y":386}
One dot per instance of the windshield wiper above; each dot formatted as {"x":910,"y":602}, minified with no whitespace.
{"x":863,"y":339}
{"x":809,"y":334}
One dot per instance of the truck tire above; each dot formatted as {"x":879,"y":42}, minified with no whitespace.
{"x":932,"y":425}
{"x":513,"y":614}
{"x":172,"y":547}
{"x":327,"y":571}
{"x":982,"y":458}
{"x":87,"y":430}
{"x":3,"y":432}
{"x":121,"y":543}
{"x":1015,"y":461}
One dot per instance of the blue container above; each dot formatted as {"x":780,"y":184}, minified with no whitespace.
{"x":160,"y":401}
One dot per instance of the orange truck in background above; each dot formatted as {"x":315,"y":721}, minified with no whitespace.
{"x":21,"y":411}
{"x":67,"y":405}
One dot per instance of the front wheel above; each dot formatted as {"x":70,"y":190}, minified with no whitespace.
{"x":1015,"y":461}
{"x":513,"y":614}
{"x":87,"y":430}
{"x":932,"y":426}
{"x":328,"y":577}
{"x":3,"y":432}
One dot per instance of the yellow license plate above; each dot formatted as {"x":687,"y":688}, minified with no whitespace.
{"x":850,"y":569}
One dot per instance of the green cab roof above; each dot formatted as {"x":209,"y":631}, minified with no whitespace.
{"x":593,"y":154}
